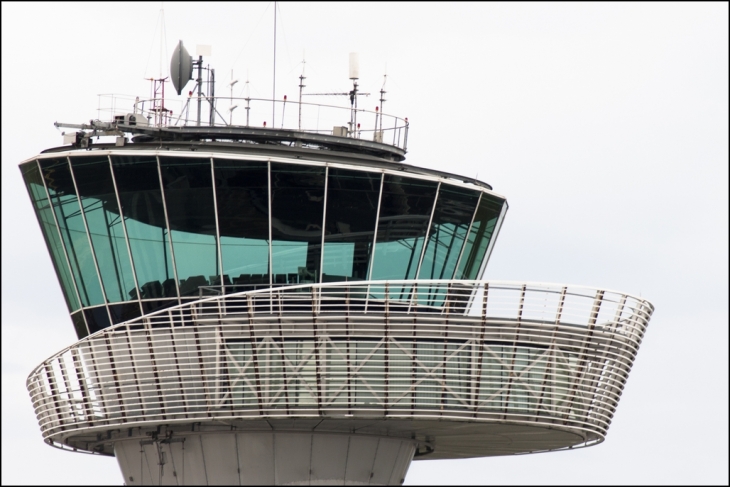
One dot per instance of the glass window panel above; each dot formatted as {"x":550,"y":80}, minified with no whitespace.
{"x":188,"y":192}
{"x":458,"y":374}
{"x":339,"y":258}
{"x":96,"y":192}
{"x":243,"y":394}
{"x":404,"y":214}
{"x":138,"y":183}
{"x":479,"y":236}
{"x":43,"y":211}
{"x":335,"y":376}
{"x":369,"y":382}
{"x":97,"y":318}
{"x":297,"y":205}
{"x":60,"y":185}
{"x":79,"y":324}
{"x":303,"y":383}
{"x":150,"y":306}
{"x":429,"y":392}
{"x":451,"y":218}
{"x":124,"y":312}
{"x":400,"y":376}
{"x":242,"y":193}
{"x":352,"y":205}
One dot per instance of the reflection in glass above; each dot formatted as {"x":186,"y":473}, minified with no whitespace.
{"x":242,"y":195}
{"x":124,"y":312}
{"x":79,"y":324}
{"x":451,"y":218}
{"x":42,"y":207}
{"x":96,"y":193}
{"x":404,"y":214}
{"x":97,"y":318}
{"x":297,"y":205}
{"x":479,"y":236}
{"x":61,"y":189}
{"x":188,"y":192}
{"x":138,"y":183}
{"x":352,"y":205}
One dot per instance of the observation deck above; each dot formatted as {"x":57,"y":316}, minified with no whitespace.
{"x":463,"y":368}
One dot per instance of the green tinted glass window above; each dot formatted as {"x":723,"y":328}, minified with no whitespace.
{"x":138,"y":184}
{"x":297,"y":206}
{"x":99,"y":201}
{"x":79,"y":324}
{"x":404,"y":214}
{"x":57,"y":175}
{"x":451,"y":218}
{"x":43,"y":211}
{"x":242,"y":195}
{"x":479,"y":237}
{"x":352,"y":205}
{"x":188,"y":192}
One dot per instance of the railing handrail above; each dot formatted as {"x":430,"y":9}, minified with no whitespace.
{"x":143,"y":107}
{"x":474,"y":284}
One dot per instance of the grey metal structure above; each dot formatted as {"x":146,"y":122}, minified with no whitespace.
{"x":288,"y":306}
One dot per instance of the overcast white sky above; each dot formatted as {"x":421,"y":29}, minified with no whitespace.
{"x":605,"y":125}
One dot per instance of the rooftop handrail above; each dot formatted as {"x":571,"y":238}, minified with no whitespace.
{"x":290,"y":115}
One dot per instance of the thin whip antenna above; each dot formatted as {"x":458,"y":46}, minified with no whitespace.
{"x":273,"y":94}
{"x":163,"y":34}
{"x":382,"y":100}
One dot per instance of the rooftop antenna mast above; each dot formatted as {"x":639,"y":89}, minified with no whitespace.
{"x":232,"y":106}
{"x":273,"y":94}
{"x":382,"y":100}
{"x":248,"y":99}
{"x":353,"y":94}
{"x":157,"y":84}
{"x":354,"y":76}
{"x":301,"y":85}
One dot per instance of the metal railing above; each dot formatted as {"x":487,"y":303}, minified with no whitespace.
{"x":313,"y":118}
{"x":545,"y":355}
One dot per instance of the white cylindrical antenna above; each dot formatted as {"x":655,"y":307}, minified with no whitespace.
{"x":354,"y":66}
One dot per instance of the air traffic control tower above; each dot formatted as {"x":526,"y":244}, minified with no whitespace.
{"x":287,"y":305}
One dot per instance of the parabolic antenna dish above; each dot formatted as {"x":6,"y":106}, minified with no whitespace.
{"x":181,"y":67}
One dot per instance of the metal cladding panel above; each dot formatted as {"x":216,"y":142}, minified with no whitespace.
{"x":292,"y":457}
{"x":360,"y":458}
{"x":264,"y":458}
{"x":175,"y":466}
{"x":125,"y":460}
{"x":150,"y":465}
{"x":385,"y":460}
{"x":195,"y":467}
{"x":221,"y":460}
{"x":329,"y":458}
{"x":256,"y":458}
{"x":403,"y":461}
